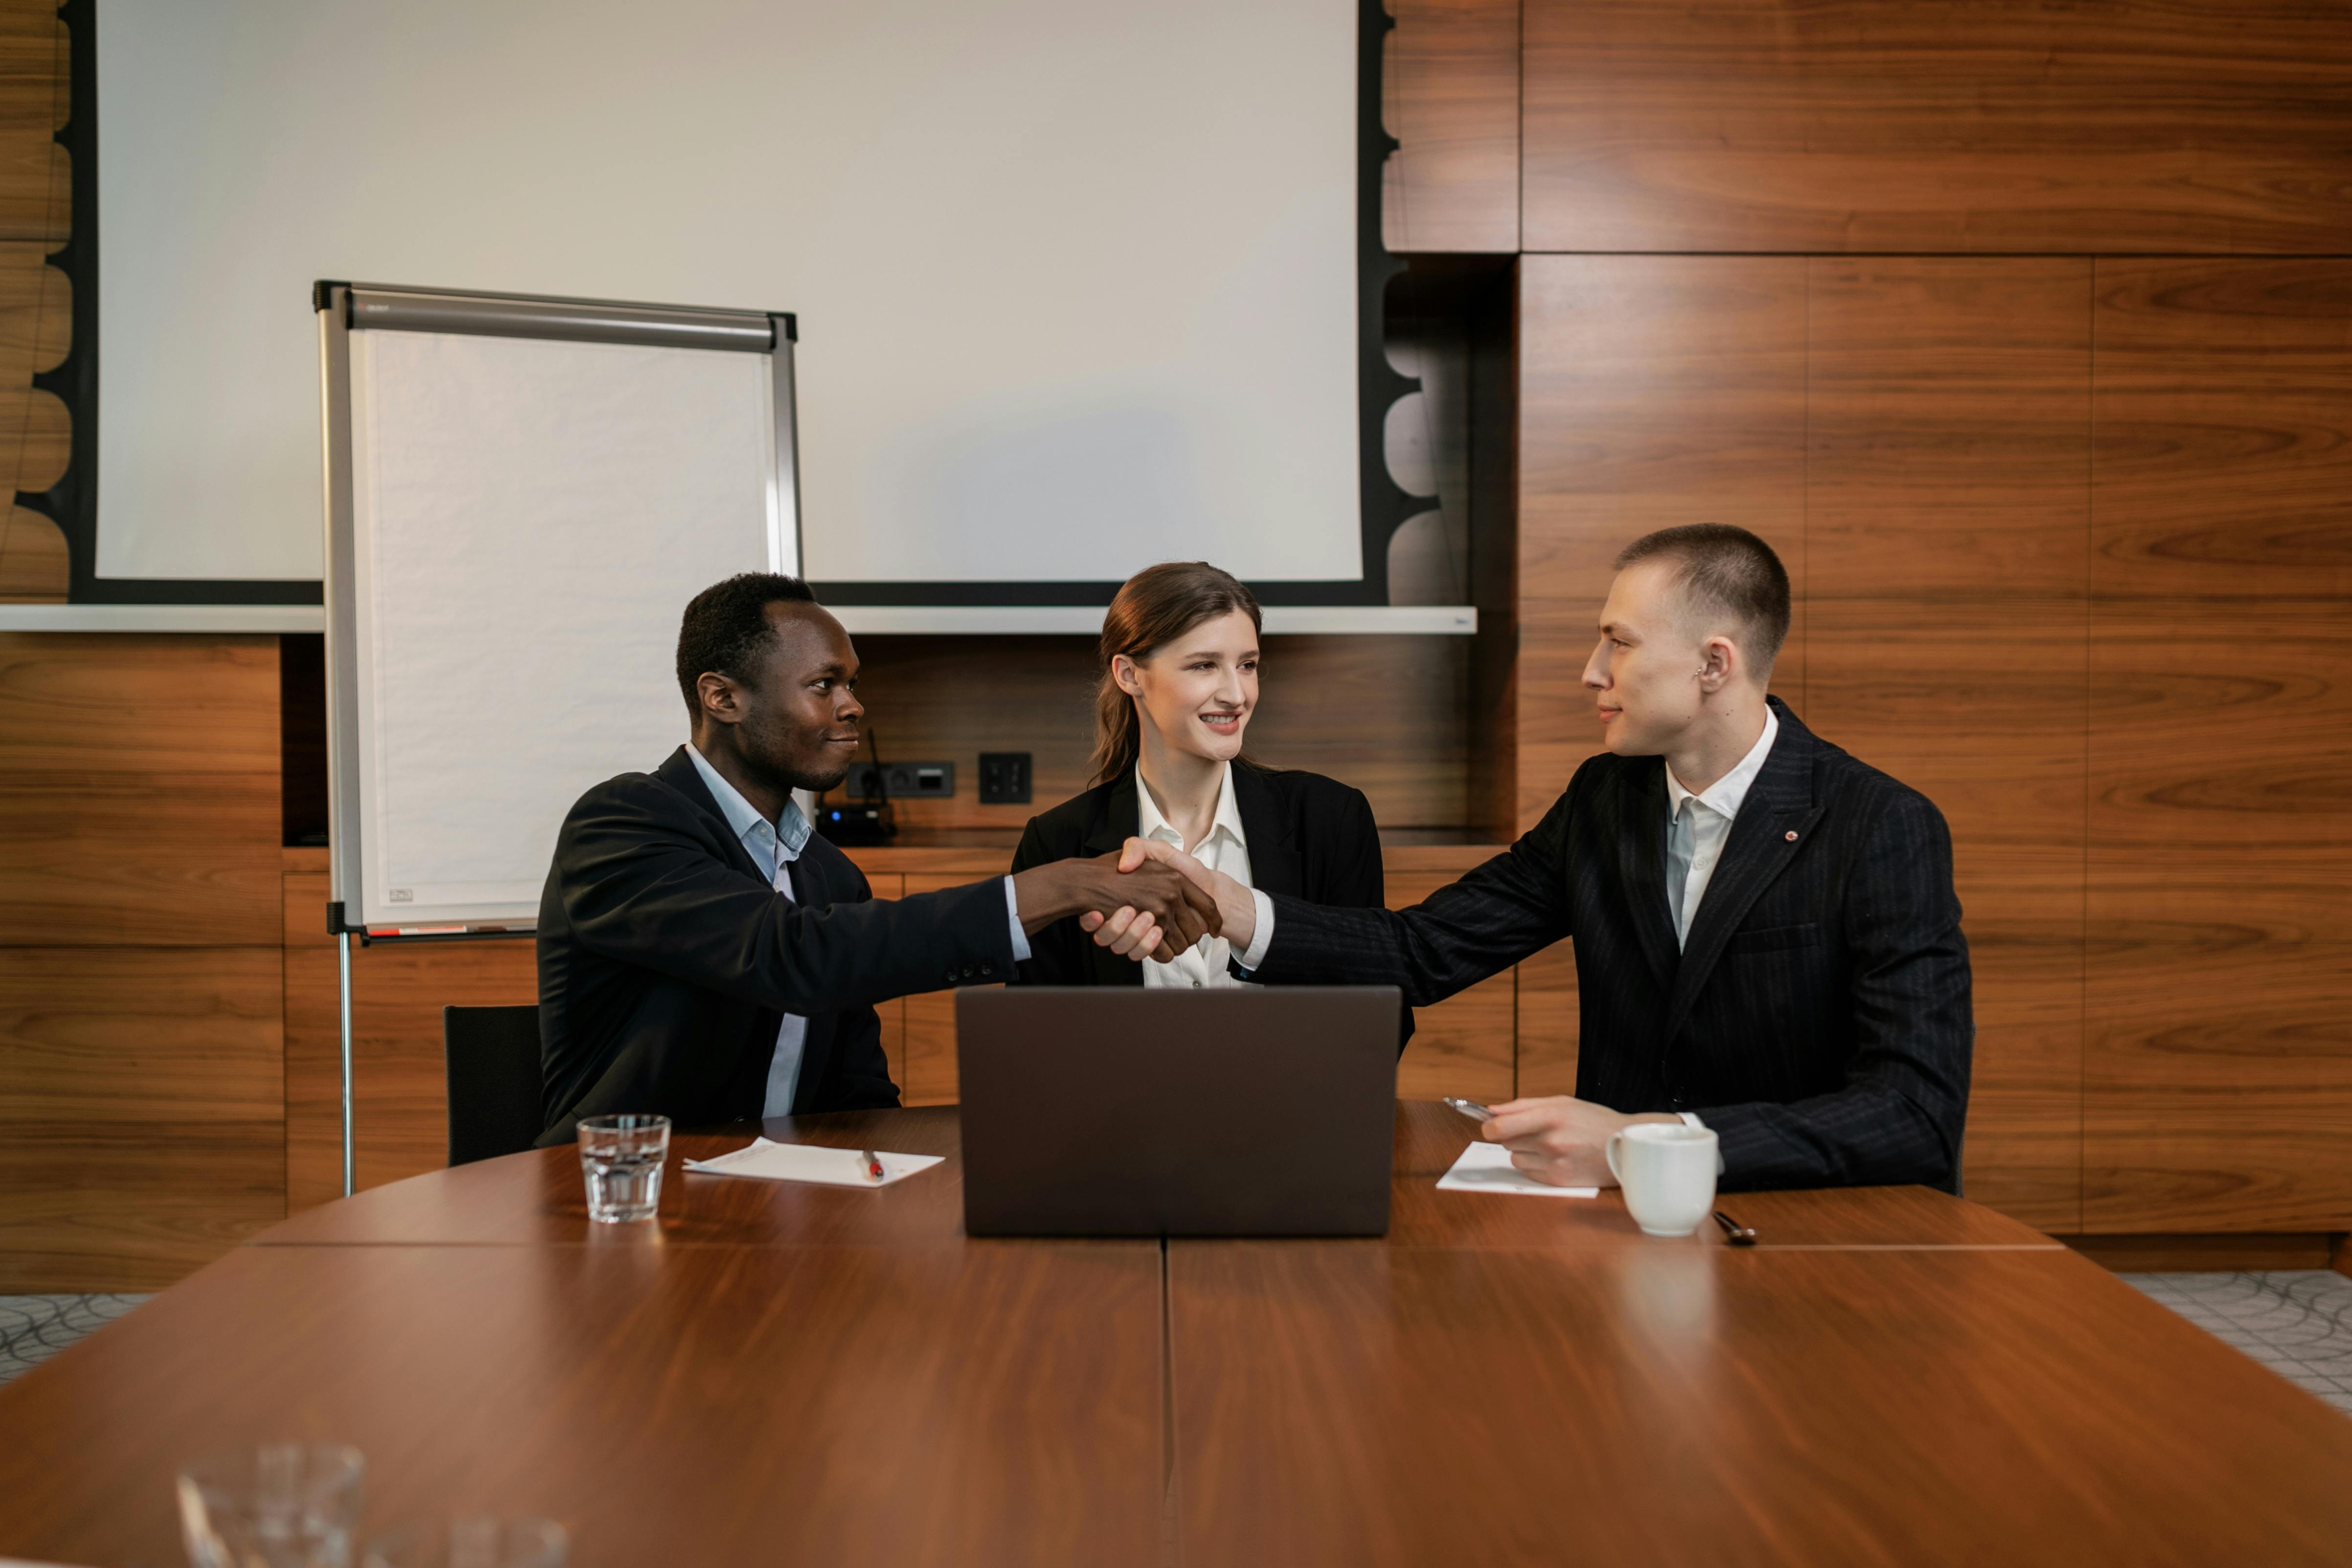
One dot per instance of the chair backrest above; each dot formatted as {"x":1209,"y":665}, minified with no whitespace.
{"x":495,"y":1085}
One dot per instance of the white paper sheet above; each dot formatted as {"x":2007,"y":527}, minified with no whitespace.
{"x":771,"y":1161}
{"x":1486,"y":1167}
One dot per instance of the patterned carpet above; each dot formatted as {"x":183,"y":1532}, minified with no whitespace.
{"x":2298,"y":1323}
{"x":35,"y":1328}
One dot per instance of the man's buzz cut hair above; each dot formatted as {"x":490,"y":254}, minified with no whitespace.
{"x":726,"y":629}
{"x":1729,"y":571}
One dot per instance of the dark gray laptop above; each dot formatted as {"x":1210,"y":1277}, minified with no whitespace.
{"x":1118,"y":1110}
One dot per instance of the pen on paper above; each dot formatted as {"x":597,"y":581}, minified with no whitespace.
{"x":872,"y":1165}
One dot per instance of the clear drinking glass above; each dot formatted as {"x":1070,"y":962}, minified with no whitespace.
{"x":282,"y":1505}
{"x":472,"y":1543}
{"x":621,"y":1158}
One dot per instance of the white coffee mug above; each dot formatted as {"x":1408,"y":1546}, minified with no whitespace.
{"x":1667,"y":1169}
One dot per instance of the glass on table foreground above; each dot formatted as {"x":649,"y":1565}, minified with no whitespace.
{"x":621,"y":1160}
{"x":281,"y":1505}
{"x":473,"y":1543}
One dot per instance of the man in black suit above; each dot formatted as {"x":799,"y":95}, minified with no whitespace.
{"x":704,"y":956}
{"x":1767,"y":939}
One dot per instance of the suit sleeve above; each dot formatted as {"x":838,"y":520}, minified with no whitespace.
{"x":1514,"y":906}
{"x":1053,"y":960}
{"x":861,"y":1068}
{"x":1359,"y":880}
{"x":1899,"y":1115}
{"x":639,"y":887}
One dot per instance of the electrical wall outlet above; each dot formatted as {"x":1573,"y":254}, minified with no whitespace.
{"x":1003,"y":777}
{"x":901,"y":781}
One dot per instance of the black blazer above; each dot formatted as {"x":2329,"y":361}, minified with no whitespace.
{"x":1309,"y":837}
{"x":666,"y":962}
{"x":1819,"y":1017}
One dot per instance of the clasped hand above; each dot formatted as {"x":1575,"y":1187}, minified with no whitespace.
{"x":1134,"y":931}
{"x":1160,"y":911}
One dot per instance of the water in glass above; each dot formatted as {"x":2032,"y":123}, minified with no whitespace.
{"x":621,"y":1159}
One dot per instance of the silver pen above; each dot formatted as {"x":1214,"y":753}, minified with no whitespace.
{"x":1470,"y":1108}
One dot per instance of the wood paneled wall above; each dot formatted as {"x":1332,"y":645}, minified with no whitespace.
{"x":2072,"y":542}
{"x":1449,"y":96}
{"x":36,"y":304}
{"x":1968,"y":126}
{"x":2218,"y":1063}
{"x":2071,"y":532}
{"x":142,"y":1099}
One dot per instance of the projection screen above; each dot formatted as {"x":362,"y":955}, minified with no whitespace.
{"x":1076,"y":279}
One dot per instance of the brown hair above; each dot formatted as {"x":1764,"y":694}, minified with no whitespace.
{"x":1728,"y":571}
{"x":1152,"y":609}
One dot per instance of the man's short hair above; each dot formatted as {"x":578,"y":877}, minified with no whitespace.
{"x":1727,"y":570}
{"x":726,"y":628}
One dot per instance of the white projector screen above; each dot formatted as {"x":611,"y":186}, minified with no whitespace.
{"x":528,"y":519}
{"x":1076,"y":279}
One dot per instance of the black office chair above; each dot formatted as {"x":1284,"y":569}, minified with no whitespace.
{"x":494,"y":1080}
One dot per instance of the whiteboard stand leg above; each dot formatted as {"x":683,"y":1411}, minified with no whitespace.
{"x":343,"y":970}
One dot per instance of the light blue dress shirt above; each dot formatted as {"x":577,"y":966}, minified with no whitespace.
{"x":773,"y":846}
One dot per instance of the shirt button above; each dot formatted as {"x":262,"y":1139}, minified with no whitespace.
{"x":1196,"y":985}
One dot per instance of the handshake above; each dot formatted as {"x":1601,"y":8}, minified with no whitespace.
{"x":1149,"y":900}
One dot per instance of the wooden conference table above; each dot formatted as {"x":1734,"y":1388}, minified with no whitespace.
{"x":778,"y":1373}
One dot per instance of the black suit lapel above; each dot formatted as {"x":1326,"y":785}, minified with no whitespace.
{"x":680,"y":774}
{"x":679,"y":771}
{"x":1641,"y":863}
{"x":1775,"y":822}
{"x":1120,"y":820}
{"x":1275,"y":865}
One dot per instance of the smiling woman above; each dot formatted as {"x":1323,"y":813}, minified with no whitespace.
{"x":1180,"y":657}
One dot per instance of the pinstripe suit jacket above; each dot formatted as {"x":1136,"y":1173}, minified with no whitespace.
{"x":1819,"y":1017}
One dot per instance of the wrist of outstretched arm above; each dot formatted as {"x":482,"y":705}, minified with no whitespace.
{"x":1249,"y":944}
{"x":1043,"y":894}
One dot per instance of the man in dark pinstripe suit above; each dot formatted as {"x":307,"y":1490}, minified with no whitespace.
{"x":1767,"y":939}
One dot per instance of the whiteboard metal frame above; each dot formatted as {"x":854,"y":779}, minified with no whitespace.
{"x":345,"y":308}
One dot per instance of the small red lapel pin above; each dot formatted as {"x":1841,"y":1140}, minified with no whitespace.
{"x":1792,"y":835}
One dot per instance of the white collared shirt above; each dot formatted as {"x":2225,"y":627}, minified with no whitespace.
{"x":1712,"y":810}
{"x":1224,"y":848}
{"x":773,"y":846}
